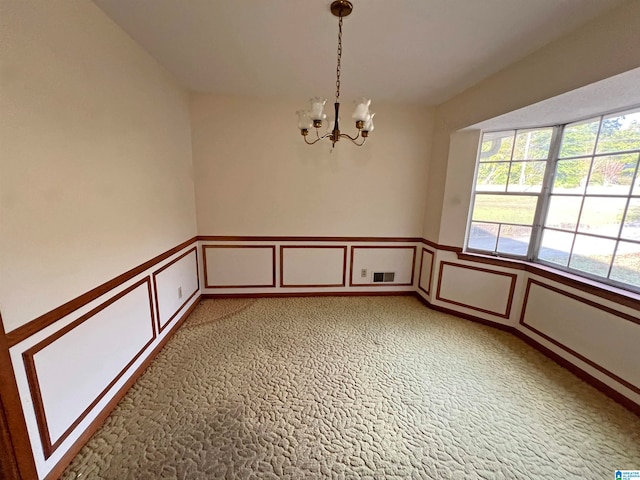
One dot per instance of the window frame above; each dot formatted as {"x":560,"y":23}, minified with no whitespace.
{"x":545,"y":195}
{"x":538,"y":195}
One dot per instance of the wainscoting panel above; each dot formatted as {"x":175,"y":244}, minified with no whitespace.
{"x":239,"y":266}
{"x":313,"y":266}
{"x":426,"y":270}
{"x":603,"y":337}
{"x":73,"y":364}
{"x":476,"y":288}
{"x":71,"y":370}
{"x":398,"y":259}
{"x":175,"y":284}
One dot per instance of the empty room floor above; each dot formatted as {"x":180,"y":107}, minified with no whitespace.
{"x":355,"y":387}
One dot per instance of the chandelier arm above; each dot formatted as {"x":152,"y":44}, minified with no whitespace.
{"x":353,"y":140}
{"x":317,"y":139}
{"x":311,"y":143}
{"x":350,"y":137}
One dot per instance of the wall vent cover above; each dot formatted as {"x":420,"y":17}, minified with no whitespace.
{"x":384,"y":277}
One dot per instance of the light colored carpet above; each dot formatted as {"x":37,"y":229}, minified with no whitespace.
{"x":355,"y":388}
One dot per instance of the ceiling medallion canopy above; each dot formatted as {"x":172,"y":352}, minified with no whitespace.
{"x":316,"y":118}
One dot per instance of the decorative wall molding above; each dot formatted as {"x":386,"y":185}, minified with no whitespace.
{"x":16,"y":443}
{"x":284,"y":243}
{"x":49,"y":445}
{"x":512,"y":276}
{"x":18,"y":335}
{"x":160,"y":325}
{"x":20,"y":437}
{"x":93,"y":427}
{"x":337,"y":247}
{"x":436,"y":246}
{"x":230,"y":246}
{"x":432,"y":254}
{"x":395,"y":247}
{"x":25,"y":331}
{"x":466,"y":316}
{"x":8,"y":456}
{"x":607,"y":292}
{"x":222,"y":238}
{"x":564,"y":347}
{"x":579,"y":372}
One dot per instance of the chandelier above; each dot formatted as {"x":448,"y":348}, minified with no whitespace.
{"x":316,"y":118}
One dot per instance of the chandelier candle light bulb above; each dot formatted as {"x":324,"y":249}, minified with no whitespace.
{"x":316,"y":116}
{"x":317,"y":109}
{"x":304,"y":121}
{"x":362,"y":110}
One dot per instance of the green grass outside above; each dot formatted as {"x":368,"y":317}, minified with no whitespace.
{"x":599,"y":264}
{"x":504,"y":209}
{"x":521,"y":210}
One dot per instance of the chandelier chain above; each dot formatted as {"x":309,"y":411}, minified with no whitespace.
{"x":339,"y":57}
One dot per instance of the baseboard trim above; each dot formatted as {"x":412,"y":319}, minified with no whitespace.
{"x":466,"y":316}
{"x":563,"y":362}
{"x":209,"y":296}
{"x":580,"y":373}
{"x":70,"y":454}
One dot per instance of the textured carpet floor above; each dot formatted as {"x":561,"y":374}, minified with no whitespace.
{"x":355,"y":388}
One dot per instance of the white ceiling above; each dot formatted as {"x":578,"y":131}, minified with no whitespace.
{"x":422,"y":51}
{"x":609,"y":95}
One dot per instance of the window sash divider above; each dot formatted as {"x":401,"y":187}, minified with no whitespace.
{"x":596,"y":155}
{"x":503,"y":223}
{"x":502,"y":194}
{"x":542,"y":207}
{"x":594,"y":195}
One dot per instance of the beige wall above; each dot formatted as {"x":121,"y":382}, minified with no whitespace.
{"x":600,"y":49}
{"x":96,"y":172}
{"x":256,"y":176}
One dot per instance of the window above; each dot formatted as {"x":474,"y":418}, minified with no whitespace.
{"x":566,"y":196}
{"x":509,"y":180}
